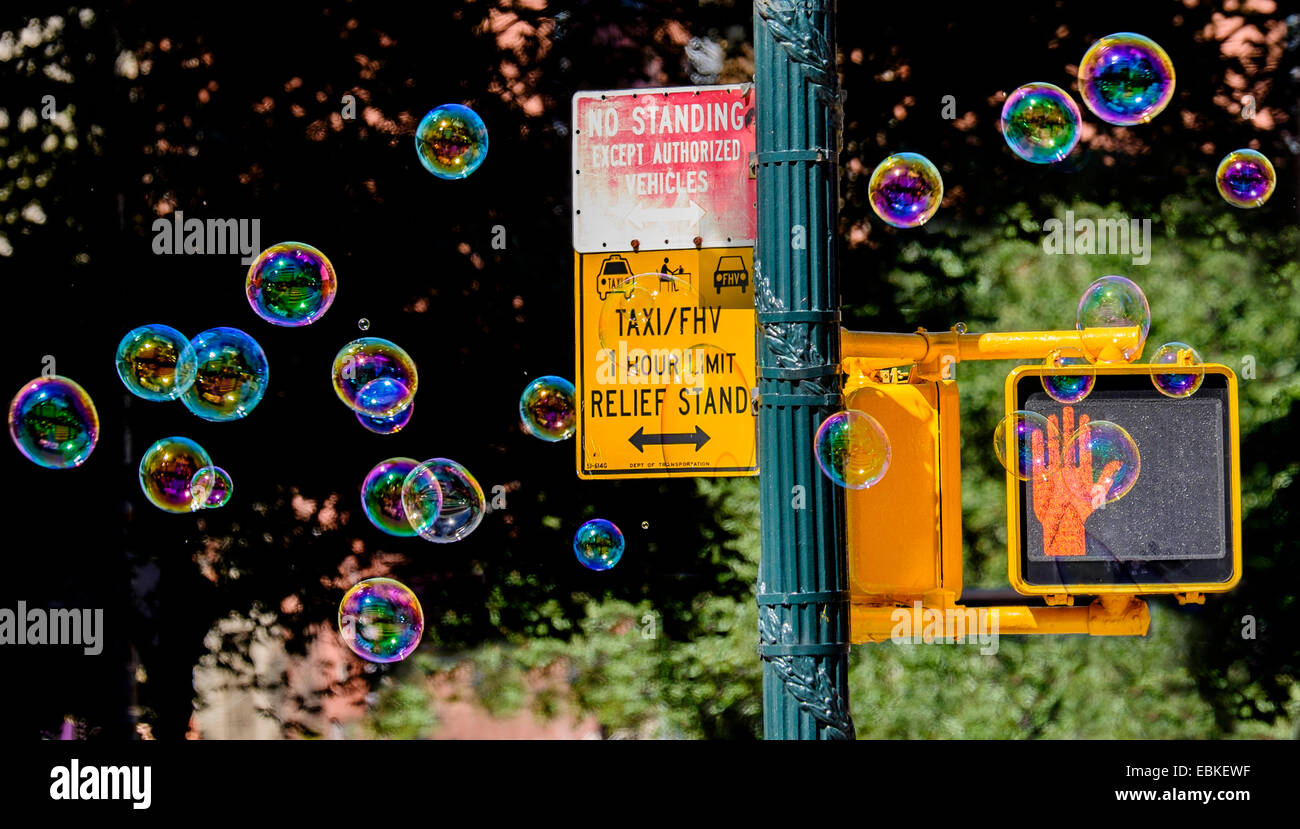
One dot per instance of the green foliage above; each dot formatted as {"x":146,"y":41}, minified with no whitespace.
{"x":401,"y":711}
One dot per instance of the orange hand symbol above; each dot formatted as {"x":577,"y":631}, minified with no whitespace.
{"x":1064,"y":492}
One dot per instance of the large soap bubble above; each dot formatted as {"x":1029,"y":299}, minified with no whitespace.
{"x":53,"y":422}
{"x":231,"y":378}
{"x":451,"y":141}
{"x":381,"y":620}
{"x":156,"y":362}
{"x":291,"y":284}
{"x":1117,"y":303}
{"x":905,"y":190}
{"x":852,"y":449}
{"x":450,"y":514}
{"x":1126,"y":79}
{"x":1040,"y":122}
{"x":168,"y":470}
{"x":374,"y":376}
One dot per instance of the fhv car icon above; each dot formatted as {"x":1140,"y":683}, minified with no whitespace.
{"x":731,"y":272}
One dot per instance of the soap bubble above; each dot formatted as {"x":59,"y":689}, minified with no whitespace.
{"x":598,"y":544}
{"x":381,"y":496}
{"x":1040,"y":123}
{"x":1191,"y":372}
{"x":548,"y":408}
{"x":443,"y":502}
{"x":451,"y":141}
{"x":852,"y":449}
{"x":167,"y":470}
{"x":390,"y":425}
{"x":291,"y":284}
{"x":363,"y":324}
{"x":53,"y":422}
{"x":1245,"y":178}
{"x":632,"y":306}
{"x":210,"y":488}
{"x":365,"y":360}
{"x":381,"y":620}
{"x":905,"y":190}
{"x":156,"y":362}
{"x":1126,"y":79}
{"x":1072,"y":376}
{"x":1114,"y":302}
{"x":231,"y":378}
{"x":1100,"y":462}
{"x":1014,"y":439}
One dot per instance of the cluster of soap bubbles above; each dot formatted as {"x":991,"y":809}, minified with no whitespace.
{"x":381,"y":620}
{"x":451,"y":141}
{"x":220,"y":375}
{"x":377,"y":379}
{"x":1097,"y":462}
{"x":548,"y":409}
{"x":438,"y":500}
{"x":852,"y":449}
{"x":53,"y":422}
{"x":177,"y":475}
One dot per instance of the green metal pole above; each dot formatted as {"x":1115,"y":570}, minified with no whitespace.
{"x":803,"y":579}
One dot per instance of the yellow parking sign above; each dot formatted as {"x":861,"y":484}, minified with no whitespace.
{"x":665,"y":363}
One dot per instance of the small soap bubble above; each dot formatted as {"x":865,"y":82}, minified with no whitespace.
{"x":363,"y":324}
{"x":156,"y":362}
{"x":443,"y":502}
{"x":1114,"y":302}
{"x":231,"y":377}
{"x":291,"y":284}
{"x":1126,"y":79}
{"x":452,"y":141}
{"x":1040,"y":122}
{"x":1072,"y":375}
{"x":1019,"y":437}
{"x":1187,"y":380}
{"x":548,"y":408}
{"x":381,"y":496}
{"x":210,"y":488}
{"x":852,"y":449}
{"x":167,"y":470}
{"x":388,"y":425}
{"x":53,"y":422}
{"x":598,"y":544}
{"x":1101,"y":462}
{"x":645,"y":525}
{"x":905,"y":190}
{"x":381,"y":620}
{"x":365,"y":360}
{"x":1245,"y":178}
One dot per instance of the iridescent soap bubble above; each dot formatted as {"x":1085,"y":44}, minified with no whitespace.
{"x":1104,"y":461}
{"x":632,"y":306}
{"x":381,"y":620}
{"x":451,"y":141}
{"x":167,"y":470}
{"x":363,"y":361}
{"x":442,"y":500}
{"x":390,"y":425}
{"x":1118,"y":303}
{"x":1040,"y":123}
{"x":231,"y":378}
{"x":598,"y":544}
{"x":1072,"y":375}
{"x":291,"y":284}
{"x":1187,"y":380}
{"x":1018,"y":437}
{"x":210,"y":488}
{"x":548,"y":408}
{"x":1126,"y":79}
{"x":53,"y":422}
{"x":1245,"y":178}
{"x":905,"y":190}
{"x":381,"y":496}
{"x":852,"y":449}
{"x":156,"y":362}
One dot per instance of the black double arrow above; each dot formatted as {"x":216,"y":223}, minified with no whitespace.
{"x":640,"y":439}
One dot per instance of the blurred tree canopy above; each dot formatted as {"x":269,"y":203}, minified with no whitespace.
{"x":156,"y":109}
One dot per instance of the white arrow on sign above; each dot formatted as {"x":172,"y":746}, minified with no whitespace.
{"x":641,"y":214}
